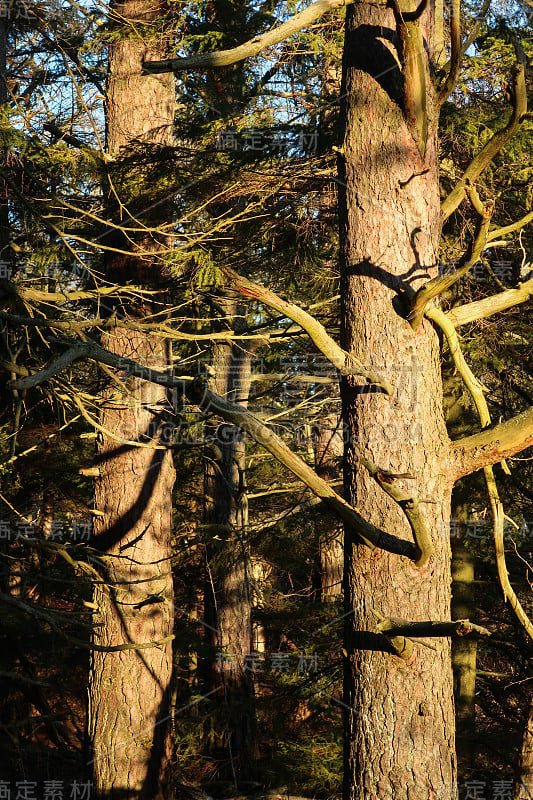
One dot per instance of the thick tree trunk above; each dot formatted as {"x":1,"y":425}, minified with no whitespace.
{"x":400,"y":720}
{"x":129,"y":692}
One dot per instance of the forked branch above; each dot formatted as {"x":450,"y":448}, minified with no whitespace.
{"x":410,"y":506}
{"x":343,"y":361}
{"x":439,"y":284}
{"x":207,"y":401}
{"x":457,"y":53}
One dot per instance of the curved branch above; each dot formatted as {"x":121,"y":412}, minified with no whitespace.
{"x":224,"y":58}
{"x":492,"y":445}
{"x":514,"y":226}
{"x":493,"y":146}
{"x":343,"y":361}
{"x":244,"y":419}
{"x":481,"y":309}
{"x":410,"y":506}
{"x":508,"y":591}
{"x":472,"y":383}
{"x":439,"y":284}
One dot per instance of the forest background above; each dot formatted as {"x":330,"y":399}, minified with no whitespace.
{"x":169,"y":240}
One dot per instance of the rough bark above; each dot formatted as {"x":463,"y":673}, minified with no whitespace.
{"x":399,"y":726}
{"x":129,"y":692}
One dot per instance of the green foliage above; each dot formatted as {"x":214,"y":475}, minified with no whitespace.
{"x":312,"y":765}
{"x":206,"y":273}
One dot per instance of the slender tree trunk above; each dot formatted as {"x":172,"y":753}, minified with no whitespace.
{"x":460,"y":421}
{"x":129,"y":692}
{"x":524,"y":773}
{"x":328,"y":456}
{"x":464,"y":651}
{"x":399,"y":724}
{"x":228,"y":606}
{"x":9,"y":583}
{"x":4,"y":95}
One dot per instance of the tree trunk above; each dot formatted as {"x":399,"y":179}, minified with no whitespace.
{"x":129,"y":691}
{"x":464,"y":652}
{"x":328,"y":453}
{"x":399,"y":724}
{"x":228,"y":606}
{"x":523,"y":789}
{"x":461,"y":421}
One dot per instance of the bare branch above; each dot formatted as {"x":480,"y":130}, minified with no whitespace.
{"x":476,"y":27}
{"x":481,"y":309}
{"x":410,"y":506}
{"x":508,"y":591}
{"x":288,"y":377}
{"x":493,"y":146}
{"x":402,"y":634}
{"x":514,"y":226}
{"x":492,"y":445}
{"x":439,"y":284}
{"x":225,"y":58}
{"x":430,"y":629}
{"x":343,"y":361}
{"x":244,"y":419}
{"x":474,"y":33}
{"x":472,"y":383}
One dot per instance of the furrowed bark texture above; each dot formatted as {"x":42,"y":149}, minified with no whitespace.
{"x":129,"y":691}
{"x":400,"y":724}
